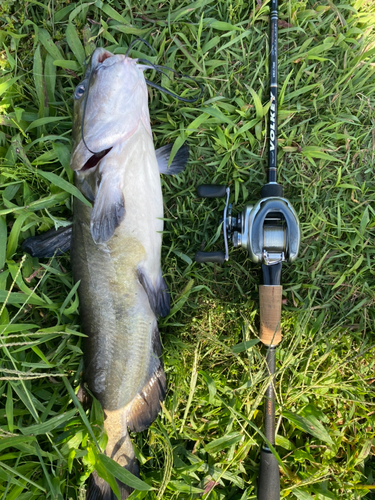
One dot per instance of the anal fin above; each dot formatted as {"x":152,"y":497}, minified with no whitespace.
{"x":146,"y":405}
{"x":158,"y":296}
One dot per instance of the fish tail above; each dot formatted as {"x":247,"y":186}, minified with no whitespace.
{"x":119,"y":447}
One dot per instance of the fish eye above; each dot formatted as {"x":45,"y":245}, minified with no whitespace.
{"x":80,"y":90}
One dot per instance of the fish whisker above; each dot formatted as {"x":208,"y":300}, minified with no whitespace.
{"x":139,"y":39}
{"x":156,"y":67}
{"x":166,"y":91}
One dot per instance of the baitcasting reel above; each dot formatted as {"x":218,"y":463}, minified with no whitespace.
{"x":269,"y":230}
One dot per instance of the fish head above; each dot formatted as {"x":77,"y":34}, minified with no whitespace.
{"x":110,"y":104}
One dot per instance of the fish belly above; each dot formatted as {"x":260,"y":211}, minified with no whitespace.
{"x":123,"y":365}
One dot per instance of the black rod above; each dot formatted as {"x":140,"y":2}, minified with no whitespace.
{"x":269,"y":404}
{"x":272,"y":158}
{"x":269,"y":475}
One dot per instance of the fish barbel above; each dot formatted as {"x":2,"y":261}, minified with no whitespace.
{"x":116,"y":252}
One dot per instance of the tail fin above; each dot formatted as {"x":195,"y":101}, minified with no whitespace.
{"x":119,"y":447}
{"x":98,"y":489}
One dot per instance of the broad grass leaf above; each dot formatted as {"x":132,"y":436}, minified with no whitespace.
{"x":9,"y":408}
{"x":62,"y":13}
{"x":26,"y":398}
{"x":194,"y":125}
{"x":129,"y":30}
{"x":302,"y":495}
{"x":14,"y":268}
{"x":48,"y":425}
{"x":364,"y":221}
{"x":17,"y":473}
{"x":122,"y":474}
{"x":111,"y":12}
{"x":244,"y":346}
{"x":38,"y":80}
{"x":75,"y":43}
{"x":77,"y":10}
{"x":284,"y":442}
{"x":72,"y":65}
{"x":44,"y":121}
{"x":183,"y":487}
{"x":17,"y":442}
{"x":257,"y":103}
{"x":300,"y":91}
{"x":188,"y":9}
{"x":309,"y":424}
{"x":188,"y":55}
{"x":49,"y":45}
{"x":184,"y":296}
{"x":183,"y":256}
{"x":14,"y":234}
{"x":93,"y":457}
{"x":224,"y":442}
{"x":22,"y":298}
{"x":64,"y":185}
{"x":4,"y":86}
{"x":3,"y":241}
{"x":78,"y":404}
{"x":213,"y":43}
{"x":217,"y":114}
{"x":210,"y":385}
{"x":235,"y":40}
{"x":74,"y":305}
{"x":316,"y":152}
{"x":222,"y":25}
{"x":50,"y":77}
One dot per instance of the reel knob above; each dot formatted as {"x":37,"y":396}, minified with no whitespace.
{"x":214,"y":191}
{"x":215,"y":257}
{"x":211,"y":191}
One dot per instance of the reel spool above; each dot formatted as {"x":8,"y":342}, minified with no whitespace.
{"x":268,"y":230}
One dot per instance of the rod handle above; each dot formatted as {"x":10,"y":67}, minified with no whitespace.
{"x":270,"y":298}
{"x":269,"y":477}
{"x":211,"y":191}
{"x":203,"y":257}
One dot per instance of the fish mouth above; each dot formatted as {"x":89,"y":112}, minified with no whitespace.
{"x":94,"y":160}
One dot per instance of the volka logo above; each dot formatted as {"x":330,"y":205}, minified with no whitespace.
{"x":272,"y":124}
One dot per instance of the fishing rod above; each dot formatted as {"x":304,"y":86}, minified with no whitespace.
{"x":269,"y":231}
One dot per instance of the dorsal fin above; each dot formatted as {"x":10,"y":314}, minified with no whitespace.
{"x":179,"y":161}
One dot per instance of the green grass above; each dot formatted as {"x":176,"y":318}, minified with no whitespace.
{"x":206,"y":442}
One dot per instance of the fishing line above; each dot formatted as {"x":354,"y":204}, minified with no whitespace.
{"x":84,"y":113}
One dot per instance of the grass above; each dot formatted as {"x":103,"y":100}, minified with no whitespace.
{"x":206,"y":442}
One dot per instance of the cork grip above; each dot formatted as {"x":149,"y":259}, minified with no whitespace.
{"x":270,"y":297}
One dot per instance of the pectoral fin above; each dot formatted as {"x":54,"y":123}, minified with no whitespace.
{"x":108,"y":211}
{"x":179,"y":161}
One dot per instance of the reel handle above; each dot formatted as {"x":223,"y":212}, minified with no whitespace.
{"x":215,"y":257}
{"x":215,"y":191}
{"x":270,"y":300}
{"x":211,"y":191}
